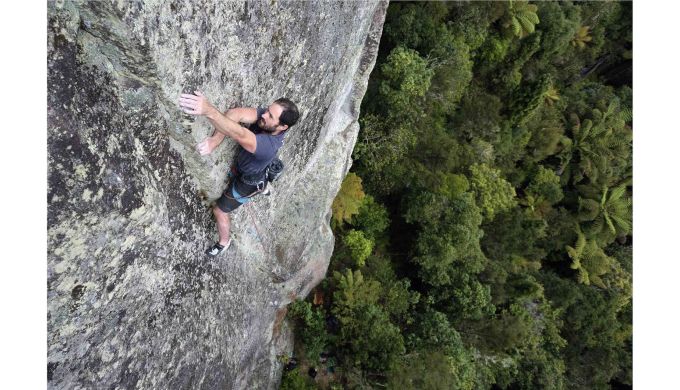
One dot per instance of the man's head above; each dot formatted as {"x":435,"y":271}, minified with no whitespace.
{"x":279,"y":116}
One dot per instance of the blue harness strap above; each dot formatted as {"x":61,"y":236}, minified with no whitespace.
{"x":238,"y":197}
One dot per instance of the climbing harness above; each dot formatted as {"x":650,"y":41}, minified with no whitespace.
{"x":259,"y":180}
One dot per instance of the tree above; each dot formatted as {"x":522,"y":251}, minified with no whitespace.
{"x":521,"y":18}
{"x":310,"y":327}
{"x":581,"y":37}
{"x":551,"y":96}
{"x":431,"y":370}
{"x":606,"y":216}
{"x":589,"y":260}
{"x":380,"y":144}
{"x":405,"y":78}
{"x":359,"y":246}
{"x":598,"y":147}
{"x":415,"y":26}
{"x":372,"y":218}
{"x":545,"y":185}
{"x":492,"y":192}
{"x":294,"y":380}
{"x":348,"y":200}
{"x":353,"y":292}
{"x":597,"y":335}
{"x":546,"y":130}
{"x":527,"y":99}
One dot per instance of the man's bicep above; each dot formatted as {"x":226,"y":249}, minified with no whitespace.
{"x":248,"y":141}
{"x":245,"y":115}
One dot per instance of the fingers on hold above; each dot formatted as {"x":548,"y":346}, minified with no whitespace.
{"x":189,"y":96}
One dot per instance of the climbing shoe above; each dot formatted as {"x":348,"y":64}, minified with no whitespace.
{"x":217,"y":249}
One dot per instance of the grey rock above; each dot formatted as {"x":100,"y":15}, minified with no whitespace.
{"x":132,"y":301}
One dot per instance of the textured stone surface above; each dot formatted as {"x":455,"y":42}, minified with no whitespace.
{"x":132,"y":301}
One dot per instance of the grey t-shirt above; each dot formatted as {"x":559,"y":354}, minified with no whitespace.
{"x":267,"y":146}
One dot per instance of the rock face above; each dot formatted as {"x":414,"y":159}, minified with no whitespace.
{"x":132,"y":301}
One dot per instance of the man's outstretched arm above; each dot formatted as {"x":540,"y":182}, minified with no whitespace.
{"x":199,"y":105}
{"x":245,"y":115}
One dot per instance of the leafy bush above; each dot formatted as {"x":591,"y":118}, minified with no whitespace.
{"x":348,"y":200}
{"x":493,"y":193}
{"x":310,"y":326}
{"x":359,"y":246}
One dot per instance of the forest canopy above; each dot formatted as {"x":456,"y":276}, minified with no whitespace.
{"x":484,"y":233}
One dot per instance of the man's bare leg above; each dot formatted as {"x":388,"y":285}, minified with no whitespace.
{"x":223,"y":224}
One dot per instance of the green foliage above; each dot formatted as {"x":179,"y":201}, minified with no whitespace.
{"x":492,"y":192}
{"x":310,"y":326}
{"x":453,"y":73}
{"x":406,"y":78}
{"x":545,"y":185}
{"x":349,"y":199}
{"x":494,"y":50}
{"x":370,"y":340}
{"x":498,"y":163}
{"x":440,"y":359}
{"x":449,"y":236}
{"x":527,"y":99}
{"x":521,"y":18}
{"x":380,"y":144}
{"x":359,"y":246}
{"x":559,"y":23}
{"x":599,"y":147}
{"x":513,"y":239}
{"x":597,"y":340}
{"x":471,"y":20}
{"x":366,"y":334}
{"x":294,"y":380}
{"x":353,"y":292}
{"x":415,"y":26}
{"x":589,"y":260}
{"x":431,"y":370}
{"x":582,"y":37}
{"x":551,"y":96}
{"x":606,"y":216}
{"x":436,"y":333}
{"x":547,"y":131}
{"x":398,"y":299}
{"x":479,"y":116}
{"x":372,"y":218}
{"x":512,"y":329}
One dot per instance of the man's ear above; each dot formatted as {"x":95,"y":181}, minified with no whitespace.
{"x":283,"y":127}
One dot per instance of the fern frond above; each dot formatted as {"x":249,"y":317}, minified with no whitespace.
{"x":610,"y":224}
{"x":617,"y":193}
{"x":527,"y":26}
{"x":626,"y":114}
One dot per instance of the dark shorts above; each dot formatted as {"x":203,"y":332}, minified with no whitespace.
{"x":232,"y":199}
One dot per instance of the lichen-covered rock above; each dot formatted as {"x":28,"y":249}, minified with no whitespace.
{"x":132,"y":301}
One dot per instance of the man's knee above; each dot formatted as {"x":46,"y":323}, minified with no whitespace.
{"x":219,"y":213}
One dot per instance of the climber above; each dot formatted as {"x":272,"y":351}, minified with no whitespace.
{"x":259,"y":143}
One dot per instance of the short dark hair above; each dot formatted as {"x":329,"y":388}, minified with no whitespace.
{"x":290,"y":114}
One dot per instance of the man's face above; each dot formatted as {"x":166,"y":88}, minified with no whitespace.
{"x":270,"y":119}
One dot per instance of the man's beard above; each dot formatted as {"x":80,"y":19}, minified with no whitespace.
{"x":267,"y":129}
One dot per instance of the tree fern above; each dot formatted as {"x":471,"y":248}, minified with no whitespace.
{"x":602,"y":144}
{"x":581,"y":37}
{"x":589,"y":260}
{"x":353,"y":291}
{"x":521,"y":18}
{"x":551,"y":96}
{"x":608,"y":216}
